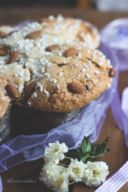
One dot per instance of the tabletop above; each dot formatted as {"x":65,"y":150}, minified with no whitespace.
{"x":24,"y":178}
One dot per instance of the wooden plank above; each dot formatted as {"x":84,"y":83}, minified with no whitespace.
{"x":84,"y":4}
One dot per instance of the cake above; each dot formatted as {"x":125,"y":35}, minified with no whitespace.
{"x":46,"y":66}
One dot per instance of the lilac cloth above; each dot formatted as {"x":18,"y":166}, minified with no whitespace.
{"x":115,"y":37}
{"x":1,"y":187}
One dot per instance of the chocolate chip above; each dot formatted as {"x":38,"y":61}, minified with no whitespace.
{"x":61,"y":64}
{"x":87,"y":87}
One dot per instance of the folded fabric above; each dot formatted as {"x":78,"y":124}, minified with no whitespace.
{"x":1,"y":187}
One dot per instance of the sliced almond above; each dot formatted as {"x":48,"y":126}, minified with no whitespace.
{"x":51,"y":48}
{"x":12,"y":91}
{"x":70,"y":52}
{"x":14,"y":55}
{"x":33,"y":35}
{"x":112,"y":72}
{"x":4,"y":50}
{"x":76,"y":87}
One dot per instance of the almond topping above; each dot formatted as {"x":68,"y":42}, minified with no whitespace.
{"x":13,"y":57}
{"x":2,"y":34}
{"x":33,"y":35}
{"x":12,"y":91}
{"x":51,"y":48}
{"x":80,"y":37}
{"x":112,"y":72}
{"x":4,"y":50}
{"x":70,"y":52}
{"x":29,"y":90}
{"x":76,"y":87}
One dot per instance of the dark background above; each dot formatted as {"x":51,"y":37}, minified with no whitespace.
{"x":47,"y":3}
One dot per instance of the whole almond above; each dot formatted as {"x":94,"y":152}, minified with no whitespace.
{"x":13,"y":56}
{"x":33,"y":35}
{"x":70,"y":52}
{"x":75,"y":87}
{"x":12,"y":91}
{"x":29,"y":90}
{"x":112,"y":72}
{"x":80,"y":36}
{"x":2,"y":34}
{"x":4,"y":50}
{"x":51,"y":48}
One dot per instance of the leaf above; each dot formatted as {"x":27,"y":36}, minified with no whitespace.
{"x":86,"y":145}
{"x":99,"y":150}
{"x":75,"y":153}
{"x":88,"y":151}
{"x":85,"y":158}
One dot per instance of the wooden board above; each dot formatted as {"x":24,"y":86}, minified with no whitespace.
{"x":23,"y":178}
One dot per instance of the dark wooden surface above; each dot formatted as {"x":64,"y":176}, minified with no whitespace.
{"x":23,"y":178}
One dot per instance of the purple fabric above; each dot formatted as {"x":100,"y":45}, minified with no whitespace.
{"x":1,"y":187}
{"x":115,"y":37}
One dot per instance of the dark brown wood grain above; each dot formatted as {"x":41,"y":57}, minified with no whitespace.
{"x":23,"y":178}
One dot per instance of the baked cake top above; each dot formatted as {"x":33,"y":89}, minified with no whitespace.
{"x":46,"y":66}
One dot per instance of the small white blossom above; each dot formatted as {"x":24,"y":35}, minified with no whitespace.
{"x":55,"y":152}
{"x":58,"y":176}
{"x":95,"y":173}
{"x":50,"y":172}
{"x":76,"y":170}
{"x":62,"y":183}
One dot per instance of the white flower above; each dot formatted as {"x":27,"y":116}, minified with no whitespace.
{"x":76,"y":170}
{"x":50,"y":172}
{"x":55,"y":151}
{"x":62,"y":183}
{"x":95,"y":173}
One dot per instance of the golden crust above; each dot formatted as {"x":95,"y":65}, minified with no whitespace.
{"x":75,"y":30}
{"x":71,"y":82}
{"x":53,"y":66}
{"x":4,"y":99}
